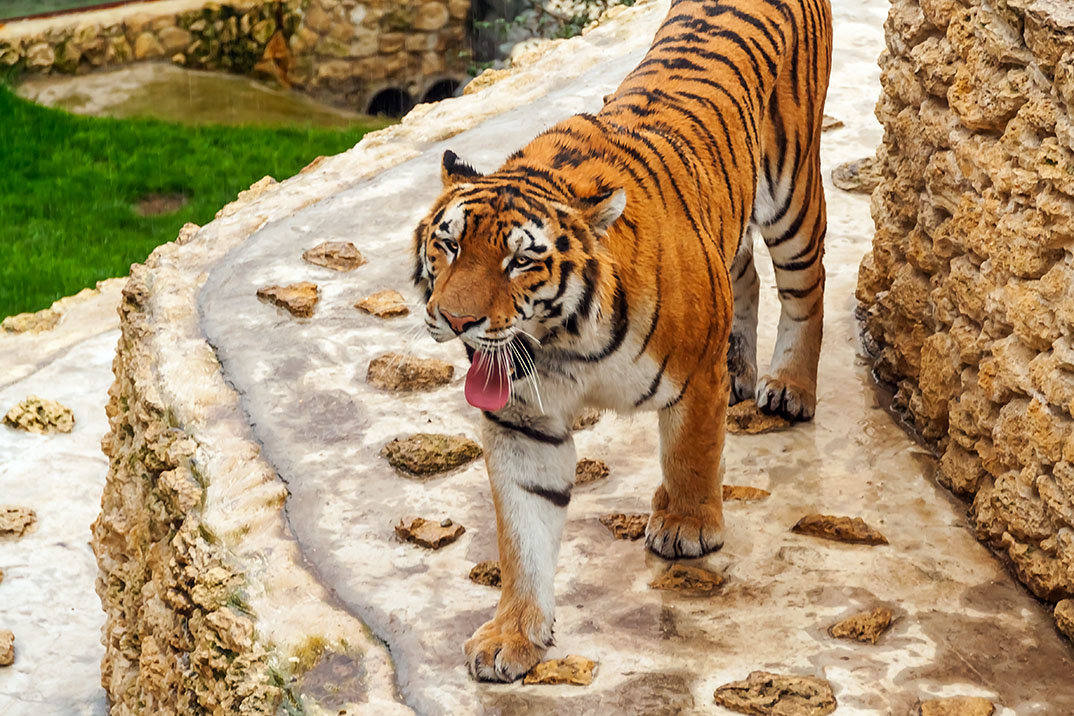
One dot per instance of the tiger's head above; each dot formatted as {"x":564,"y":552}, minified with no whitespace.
{"x":509,"y":254}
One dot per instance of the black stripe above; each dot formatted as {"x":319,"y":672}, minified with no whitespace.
{"x":655,"y":384}
{"x":531,"y":433}
{"x":559,"y":498}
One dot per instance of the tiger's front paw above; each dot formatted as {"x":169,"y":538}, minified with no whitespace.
{"x":786,"y":398}
{"x":497,"y":654}
{"x":674,"y":535}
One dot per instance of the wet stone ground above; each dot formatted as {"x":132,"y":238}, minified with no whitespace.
{"x":960,"y":625}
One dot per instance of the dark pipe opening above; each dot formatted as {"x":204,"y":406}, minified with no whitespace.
{"x":391,"y":102}
{"x":441,"y":89}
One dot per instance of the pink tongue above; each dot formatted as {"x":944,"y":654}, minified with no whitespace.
{"x":487,"y":383}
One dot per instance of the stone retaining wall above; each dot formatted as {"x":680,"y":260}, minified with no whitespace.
{"x":343,"y":51}
{"x":967,"y":298}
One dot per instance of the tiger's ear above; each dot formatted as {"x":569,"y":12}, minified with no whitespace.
{"x":601,"y":211}
{"x":454,"y":170}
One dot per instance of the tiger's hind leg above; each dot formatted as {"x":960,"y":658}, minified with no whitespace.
{"x":742,"y":348}
{"x":792,"y":219}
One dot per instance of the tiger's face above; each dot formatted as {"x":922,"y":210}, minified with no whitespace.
{"x":498,"y":257}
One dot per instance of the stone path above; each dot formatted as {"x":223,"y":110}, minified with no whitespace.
{"x":962,"y":626}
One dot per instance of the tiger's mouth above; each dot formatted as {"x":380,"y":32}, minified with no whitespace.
{"x":493,"y":370}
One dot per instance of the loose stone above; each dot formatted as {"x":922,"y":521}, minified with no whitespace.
{"x":839,"y":529}
{"x":860,"y":176}
{"x":7,"y":648}
{"x":41,"y":416}
{"x":693,"y":581}
{"x":400,"y":372}
{"x":865,"y":627}
{"x":487,"y":573}
{"x":957,"y":706}
{"x":298,"y":298}
{"x":764,"y":693}
{"x":336,"y":255}
{"x":744,"y":493}
{"x":587,"y":471}
{"x":574,"y":670}
{"x":16,"y":521}
{"x":625,"y":526}
{"x":426,"y":454}
{"x":428,"y":533}
{"x":1064,"y":617}
{"x":829,"y":123}
{"x":384,"y":304}
{"x":745,"y":419}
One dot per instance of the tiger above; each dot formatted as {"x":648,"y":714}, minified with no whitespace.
{"x":608,"y":264}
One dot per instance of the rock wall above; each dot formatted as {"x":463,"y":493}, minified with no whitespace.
{"x":967,"y":298}
{"x":343,"y":51}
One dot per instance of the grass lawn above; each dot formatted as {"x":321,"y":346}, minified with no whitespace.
{"x":69,"y":185}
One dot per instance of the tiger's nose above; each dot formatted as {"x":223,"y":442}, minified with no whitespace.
{"x":459,"y":324}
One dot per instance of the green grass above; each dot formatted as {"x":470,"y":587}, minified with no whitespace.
{"x":68,"y":185}
{"x":21,"y":8}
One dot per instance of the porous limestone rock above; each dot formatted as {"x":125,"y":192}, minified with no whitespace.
{"x":588,"y":470}
{"x":625,"y":526}
{"x":486,"y":573}
{"x":7,"y":647}
{"x":384,"y":304}
{"x":745,"y":418}
{"x":965,"y":297}
{"x":44,"y":320}
{"x":16,"y":521}
{"x":336,"y":255}
{"x":689,"y":580}
{"x":41,"y":416}
{"x":401,"y":373}
{"x":864,"y":627}
{"x":424,"y":454}
{"x":1064,"y":617}
{"x":429,"y":533}
{"x":299,"y":299}
{"x":860,"y":176}
{"x":767,"y":694}
{"x":839,"y":529}
{"x":957,"y":706}
{"x":573,"y":670}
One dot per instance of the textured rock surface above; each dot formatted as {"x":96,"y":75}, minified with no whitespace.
{"x":44,"y":320}
{"x":745,"y":419}
{"x":336,"y":255}
{"x":957,"y":706}
{"x":299,"y":299}
{"x":573,"y":670}
{"x":690,"y":580}
{"x":398,"y":372}
{"x":429,"y":533}
{"x":16,"y":521}
{"x":860,"y":175}
{"x":425,"y":454}
{"x":487,"y":573}
{"x":767,"y":694}
{"x":384,"y":304}
{"x":865,"y":627}
{"x":40,"y":415}
{"x":7,"y":647}
{"x":588,"y":470}
{"x":965,"y":297}
{"x":625,"y":526}
{"x":839,"y":529}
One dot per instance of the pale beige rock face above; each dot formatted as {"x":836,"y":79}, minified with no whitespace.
{"x":966,"y":295}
